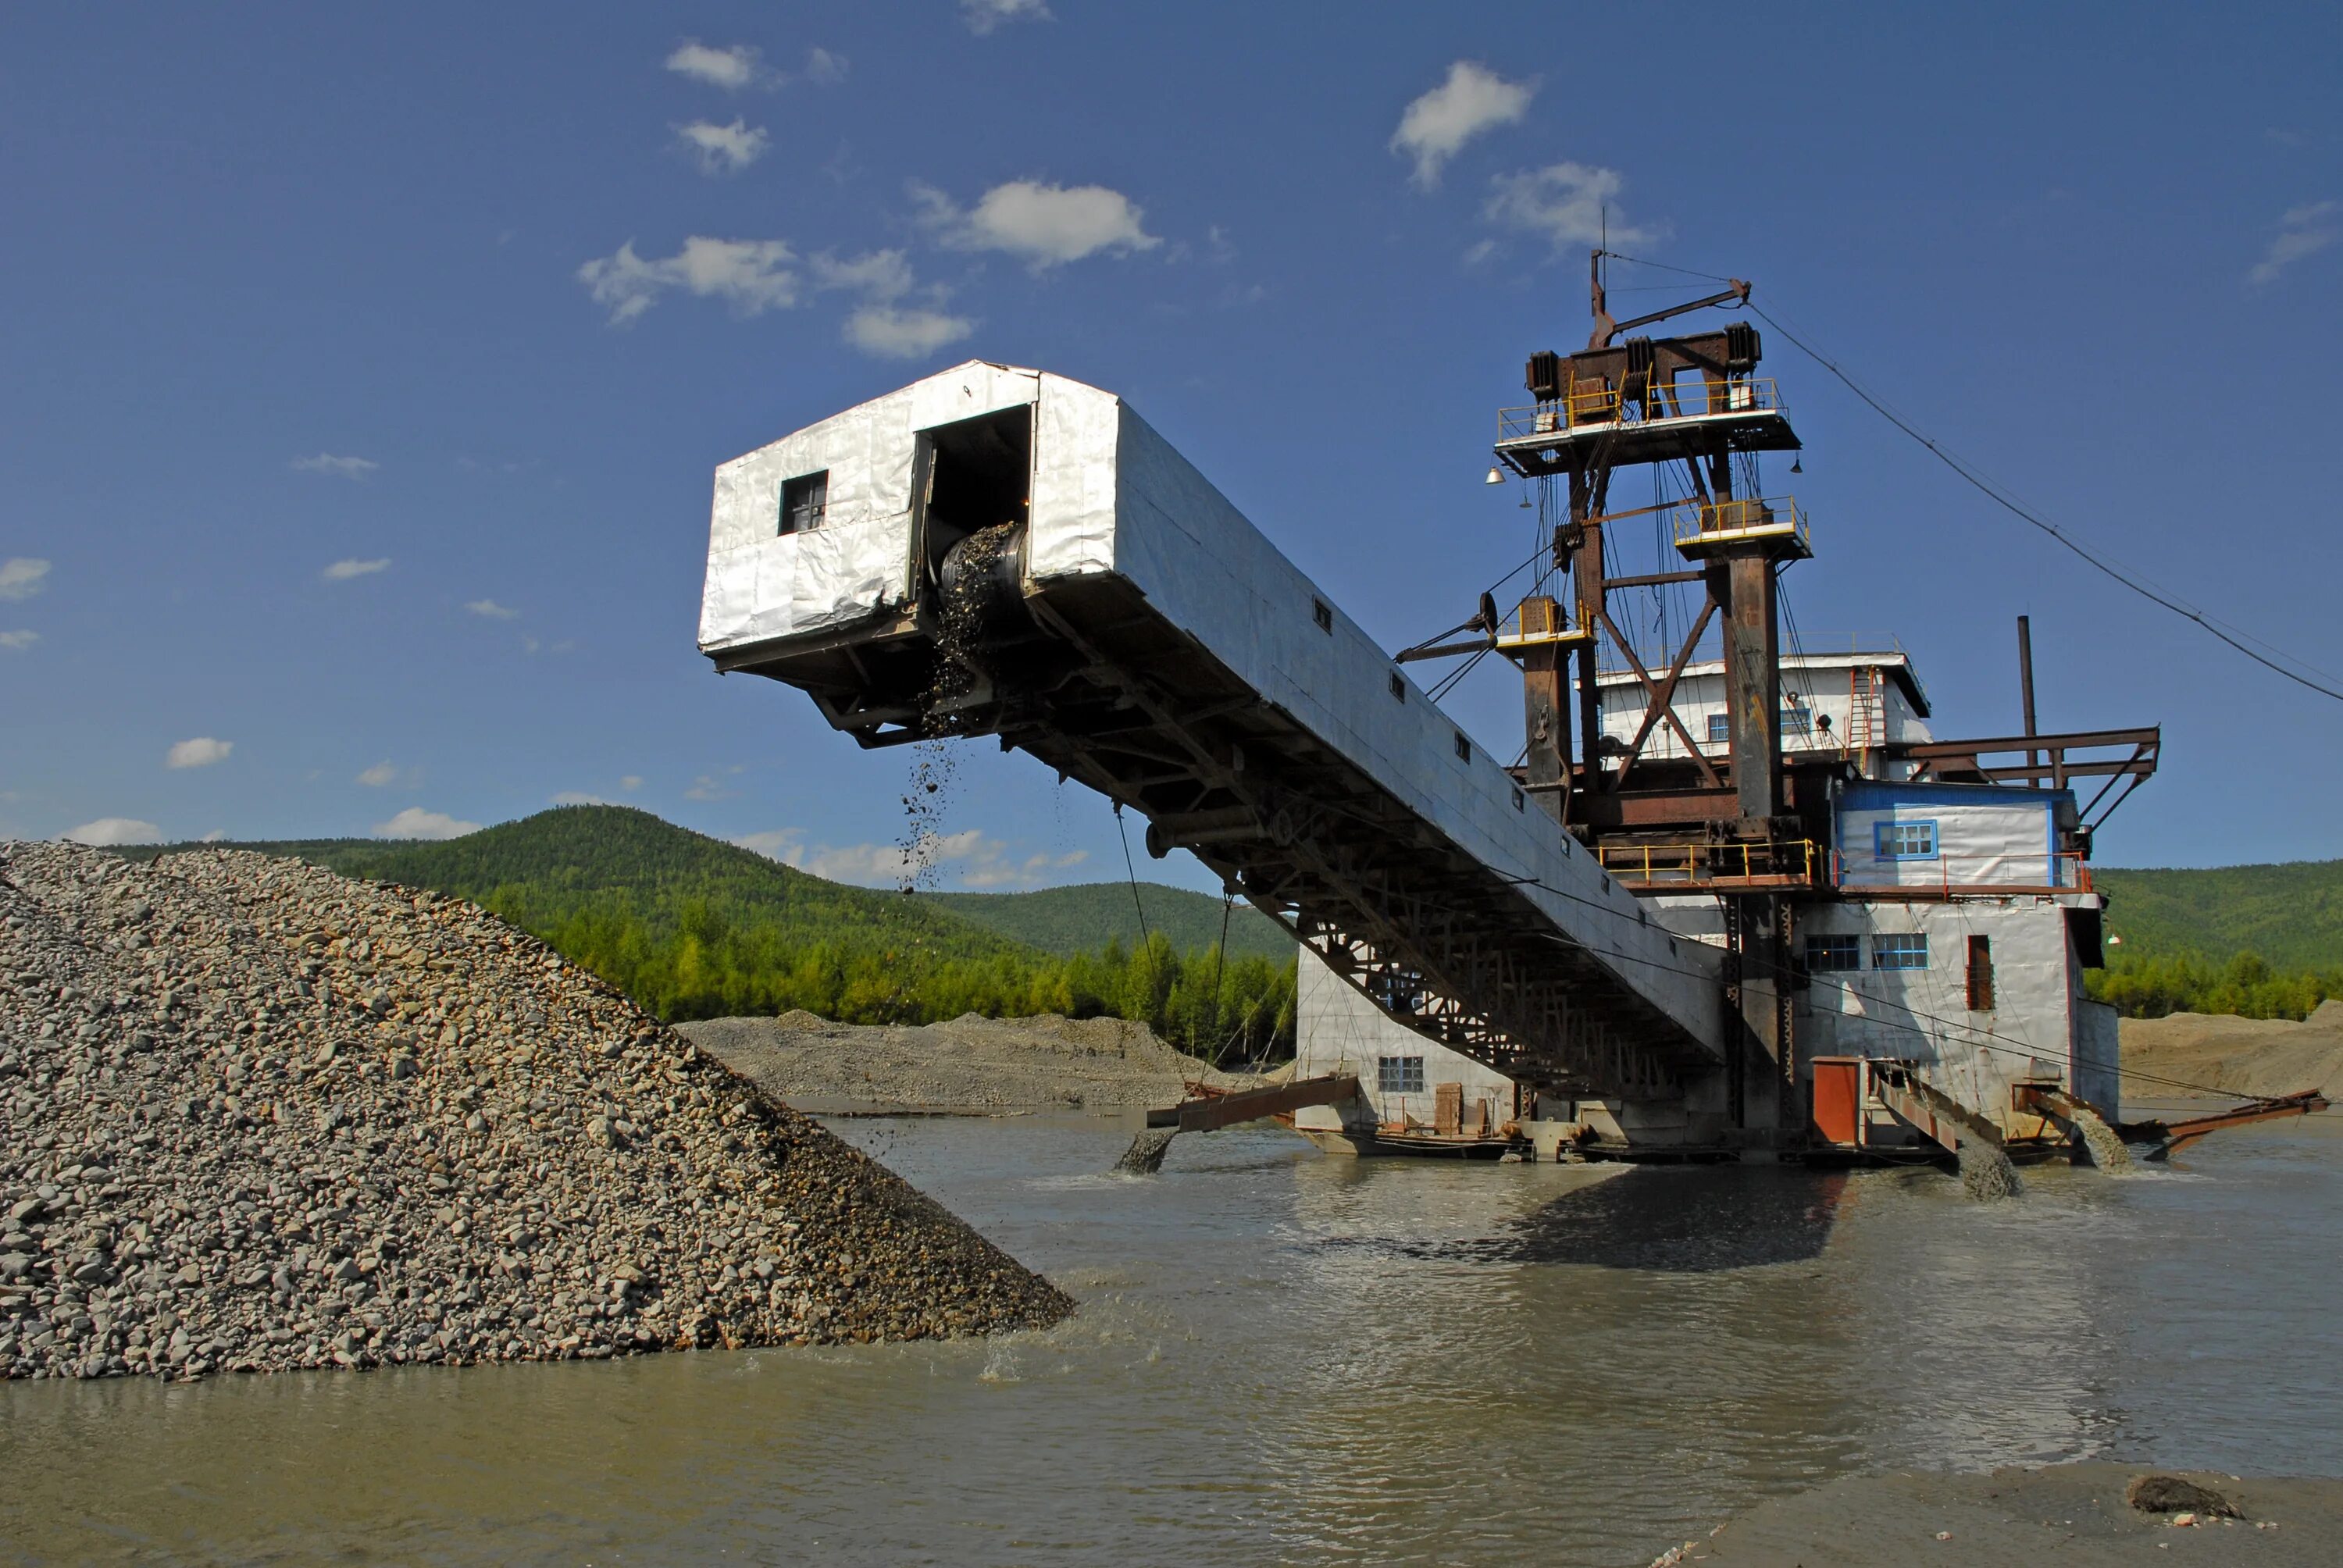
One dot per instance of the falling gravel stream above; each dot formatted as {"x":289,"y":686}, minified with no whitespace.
{"x":1286,"y":1357}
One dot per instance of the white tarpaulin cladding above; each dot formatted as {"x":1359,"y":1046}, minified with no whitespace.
{"x":1978,"y":835}
{"x":1110,"y":496}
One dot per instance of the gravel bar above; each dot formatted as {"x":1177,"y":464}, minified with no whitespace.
{"x":255,"y":1117}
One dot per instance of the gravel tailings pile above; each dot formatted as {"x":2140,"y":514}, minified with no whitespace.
{"x":2244,"y":1055}
{"x":967,"y":1064}
{"x":255,"y":1116}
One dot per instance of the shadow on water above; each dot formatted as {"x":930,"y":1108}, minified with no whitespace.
{"x":1681,"y":1219}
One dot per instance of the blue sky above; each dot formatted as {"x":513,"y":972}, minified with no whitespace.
{"x":366,"y":370}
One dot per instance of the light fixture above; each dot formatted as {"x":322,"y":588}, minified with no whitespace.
{"x":1496,"y":476}
{"x":1798,"y":463}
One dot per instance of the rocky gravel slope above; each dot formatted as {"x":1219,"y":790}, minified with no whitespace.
{"x":255,"y":1117}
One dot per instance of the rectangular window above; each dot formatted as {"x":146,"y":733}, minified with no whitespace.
{"x":1904,"y":840}
{"x":1399,"y":1074}
{"x":1833,"y":955}
{"x":1398,"y":687}
{"x":804,"y":501}
{"x":1463,"y":747}
{"x":1798,"y":722}
{"x":1323,"y":614}
{"x":1980,"y":974}
{"x":1895,"y":951}
{"x":1720,"y":728}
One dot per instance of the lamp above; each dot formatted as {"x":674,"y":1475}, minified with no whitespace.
{"x":1496,"y":476}
{"x":1797,"y":463}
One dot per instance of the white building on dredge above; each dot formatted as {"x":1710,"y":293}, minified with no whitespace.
{"x":1951,"y":931}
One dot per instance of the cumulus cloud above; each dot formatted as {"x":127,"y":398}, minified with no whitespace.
{"x":2303,"y":231}
{"x":894,"y":332}
{"x":1473,"y":99}
{"x":632,"y":781}
{"x":200,"y":752}
{"x":380,"y":776}
{"x":752,"y":276}
{"x":416,"y":823}
{"x":880,"y":325}
{"x":21,"y":577}
{"x":340,"y":468}
{"x":731,"y":68}
{"x":111,"y":830}
{"x":825,"y":67}
{"x":18,"y":641}
{"x":724,"y":149}
{"x":491,"y":610}
{"x":1046,"y":225}
{"x":708,"y":786}
{"x":344,"y":570}
{"x":1562,"y":201}
{"x":983,"y":15}
{"x":977,"y":859}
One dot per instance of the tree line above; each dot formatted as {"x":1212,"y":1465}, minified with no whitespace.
{"x":709,"y":962}
{"x":2245,"y":984}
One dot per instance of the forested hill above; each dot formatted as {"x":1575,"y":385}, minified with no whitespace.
{"x":2292,"y":915}
{"x":1068,"y":921}
{"x":691,"y":927}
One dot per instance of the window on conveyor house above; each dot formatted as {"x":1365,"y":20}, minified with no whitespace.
{"x":1399,"y":1074}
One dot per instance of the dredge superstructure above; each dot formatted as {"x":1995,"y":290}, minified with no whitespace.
{"x":1729,"y":905}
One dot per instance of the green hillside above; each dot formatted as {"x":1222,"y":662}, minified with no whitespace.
{"x":1068,"y":921}
{"x":2265,"y":941}
{"x":2292,"y":915}
{"x":691,"y":927}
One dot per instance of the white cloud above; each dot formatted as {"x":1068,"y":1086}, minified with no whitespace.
{"x":340,"y":468}
{"x":2303,"y":231}
{"x":1046,"y":225}
{"x":380,"y":776}
{"x":981,"y":859}
{"x":416,"y":823}
{"x":880,"y":275}
{"x":894,"y":332}
{"x":741,"y":65}
{"x":983,"y":15}
{"x":1562,"y":201}
{"x":18,"y":641}
{"x":21,"y":577}
{"x":708,"y":786}
{"x":491,"y":610}
{"x":632,"y":781}
{"x":752,"y":274}
{"x":825,"y":66}
{"x":880,"y":325}
{"x":343,"y":571}
{"x":1472,"y":99}
{"x":724,"y":149}
{"x":578,"y":798}
{"x":109,"y":831}
{"x":200,"y":752}
{"x":216,"y":836}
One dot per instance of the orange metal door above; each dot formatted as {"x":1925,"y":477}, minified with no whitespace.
{"x":1838,"y":1099}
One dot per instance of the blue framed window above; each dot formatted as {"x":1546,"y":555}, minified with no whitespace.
{"x":1720,"y":728}
{"x":1904,"y":840}
{"x":1399,"y":1074}
{"x":1797,"y":720}
{"x":1896,"y":951}
{"x":1833,"y":955}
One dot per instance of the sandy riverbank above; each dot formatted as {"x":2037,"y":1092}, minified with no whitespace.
{"x":2241,"y":1055}
{"x":2073,"y":1515}
{"x":966,"y":1063}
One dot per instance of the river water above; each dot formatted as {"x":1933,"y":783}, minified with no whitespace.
{"x":1287,"y":1357}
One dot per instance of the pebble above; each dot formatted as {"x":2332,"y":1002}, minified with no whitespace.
{"x":256,"y":1117}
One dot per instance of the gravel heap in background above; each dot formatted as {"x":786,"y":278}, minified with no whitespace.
{"x":255,"y":1116}
{"x":965,"y":1063}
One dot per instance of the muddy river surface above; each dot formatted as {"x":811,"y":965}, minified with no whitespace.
{"x":1285,"y":1357}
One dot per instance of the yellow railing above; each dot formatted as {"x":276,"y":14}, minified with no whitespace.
{"x":1697,"y":518}
{"x":1765,"y":860}
{"x":1594,"y":404}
